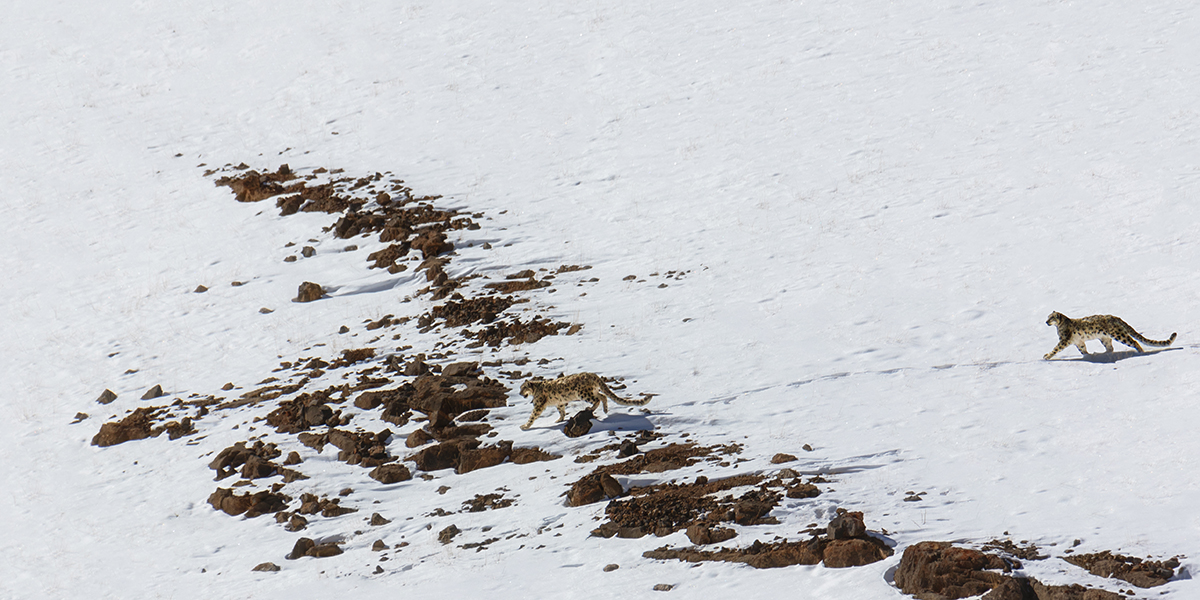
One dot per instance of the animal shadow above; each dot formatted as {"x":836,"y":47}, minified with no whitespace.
{"x":1112,"y":357}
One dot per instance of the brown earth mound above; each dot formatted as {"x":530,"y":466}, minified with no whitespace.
{"x":1142,"y":573}
{"x":835,"y":553}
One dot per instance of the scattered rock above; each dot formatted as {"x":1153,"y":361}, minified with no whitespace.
{"x":267,"y":567}
{"x":152,"y":393}
{"x":106,"y":397}
{"x":663,"y":587}
{"x":136,"y":426}
{"x":308,"y":251}
{"x":609,"y":568}
{"x":1142,"y":573}
{"x":781,"y":458}
{"x":703,"y":534}
{"x":250,"y":504}
{"x":378,"y":546}
{"x":579,"y":425}
{"x":307,"y":547}
{"x":200,"y":289}
{"x":79,"y":416}
{"x":391,"y":473}
{"x":309,"y":292}
{"x":377,"y":520}
{"x":446,"y":535}
{"x":628,"y":448}
{"x":929,"y":568}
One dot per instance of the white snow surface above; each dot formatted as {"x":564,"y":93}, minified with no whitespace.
{"x":874,"y":205}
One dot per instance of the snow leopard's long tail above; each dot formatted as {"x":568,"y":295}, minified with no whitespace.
{"x":620,"y":400}
{"x":1143,"y":339}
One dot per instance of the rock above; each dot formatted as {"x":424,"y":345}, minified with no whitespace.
{"x":303,"y":545}
{"x":200,"y":289}
{"x":806,"y":448}
{"x":378,"y":546}
{"x":481,"y":458}
{"x":781,"y":458}
{"x":579,"y":425}
{"x":309,"y":292}
{"x":1143,"y":574}
{"x":929,"y":568}
{"x":663,"y":587}
{"x":227,"y":387}
{"x":593,"y":488}
{"x":390,"y":473}
{"x":437,"y":457}
{"x":308,"y":251}
{"x":446,"y":535}
{"x":460,"y":369}
{"x":266,"y":567}
{"x":377,"y":520}
{"x":79,"y":416}
{"x":628,"y":448}
{"x":1012,"y":589}
{"x":293,"y":458}
{"x":702,"y":534}
{"x":296,"y":523}
{"x":611,"y":567}
{"x":855,"y":553}
{"x":1065,"y":592}
{"x":324,"y":550}
{"x":847,"y":525}
{"x":106,"y":397}
{"x":418,"y":438}
{"x":803,"y":490}
{"x":136,"y":426}
{"x":154,"y":392}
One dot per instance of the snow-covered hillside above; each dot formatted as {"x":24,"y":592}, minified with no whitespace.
{"x":845,"y":222}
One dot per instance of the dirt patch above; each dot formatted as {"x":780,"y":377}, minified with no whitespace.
{"x":834,"y":553}
{"x":484,"y":309}
{"x":140,"y":424}
{"x":666,"y":508}
{"x":482,"y":502}
{"x":517,"y":331}
{"x":1139,"y":572}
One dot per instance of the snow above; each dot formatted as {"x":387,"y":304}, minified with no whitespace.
{"x":874,"y":205}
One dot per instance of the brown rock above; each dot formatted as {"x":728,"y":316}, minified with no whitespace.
{"x":390,"y":473}
{"x":106,"y":397}
{"x":418,"y":438}
{"x":611,"y":567}
{"x":136,"y":426}
{"x":702,"y":534}
{"x":437,"y":457}
{"x":847,"y":525}
{"x":377,"y":520}
{"x":266,"y":567}
{"x":154,"y":392}
{"x":803,"y":490}
{"x":939,"y":568}
{"x":1066,"y":592}
{"x":293,"y":458}
{"x":446,"y":535}
{"x":855,"y":552}
{"x":481,"y":458}
{"x":781,"y":458}
{"x":309,"y":292}
{"x":585,"y":491}
{"x":378,"y":546}
{"x":1142,"y":573}
{"x":579,"y":425}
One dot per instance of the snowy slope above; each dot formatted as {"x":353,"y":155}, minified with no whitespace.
{"x":875,"y":205}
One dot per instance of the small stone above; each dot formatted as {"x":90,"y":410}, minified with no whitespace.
{"x":609,"y":568}
{"x":289,"y":258}
{"x":628,"y":448}
{"x":308,"y":251}
{"x":781,"y":458}
{"x":350,"y":248}
{"x":309,"y":292}
{"x":446,"y":535}
{"x":806,"y":448}
{"x":237,"y":283}
{"x":378,"y":569}
{"x":266,"y":311}
{"x":379,"y":546}
{"x":106,"y":397}
{"x":377,"y":520}
{"x":200,"y":289}
{"x":227,"y":387}
{"x":663,"y":587}
{"x":267,"y":567}
{"x":79,"y":417}
{"x":343,"y":329}
{"x":154,"y":392}
{"x":303,"y":545}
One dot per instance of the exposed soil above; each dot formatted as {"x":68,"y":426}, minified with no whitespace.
{"x":1139,"y":572}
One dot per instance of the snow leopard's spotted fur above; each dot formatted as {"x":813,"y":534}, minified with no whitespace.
{"x":588,"y":387}
{"x":1105,"y":328}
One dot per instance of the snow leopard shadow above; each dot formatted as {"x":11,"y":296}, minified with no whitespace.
{"x":1112,"y":357}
